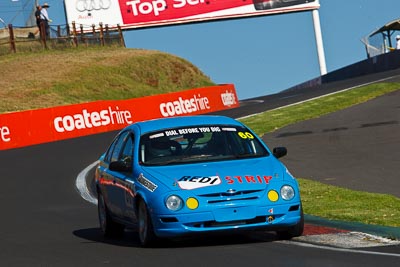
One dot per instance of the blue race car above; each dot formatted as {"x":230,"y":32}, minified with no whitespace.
{"x":188,"y":175}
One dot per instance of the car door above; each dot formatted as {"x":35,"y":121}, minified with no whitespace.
{"x":115,"y":177}
{"x":125,"y":181}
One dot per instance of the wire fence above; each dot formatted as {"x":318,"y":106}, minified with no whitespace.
{"x":28,"y":39}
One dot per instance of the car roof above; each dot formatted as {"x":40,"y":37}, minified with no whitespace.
{"x":184,"y":121}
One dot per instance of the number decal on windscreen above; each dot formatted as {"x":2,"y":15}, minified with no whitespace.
{"x":246,"y":135}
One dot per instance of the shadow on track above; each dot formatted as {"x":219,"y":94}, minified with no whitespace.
{"x":130,"y":239}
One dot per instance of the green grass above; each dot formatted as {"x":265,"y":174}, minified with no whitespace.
{"x":54,"y":77}
{"x":343,"y":204}
{"x":324,"y":200}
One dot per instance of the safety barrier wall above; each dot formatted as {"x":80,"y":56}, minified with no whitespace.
{"x":25,"y":128}
{"x":381,"y":63}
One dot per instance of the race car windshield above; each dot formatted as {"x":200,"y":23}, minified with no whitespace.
{"x":199,"y":144}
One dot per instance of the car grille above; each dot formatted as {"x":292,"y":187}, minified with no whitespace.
{"x":260,"y":219}
{"x":232,"y":196}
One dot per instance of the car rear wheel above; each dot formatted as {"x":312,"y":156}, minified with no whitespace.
{"x":294,"y":231}
{"x":145,"y":227}
{"x":107,"y":225}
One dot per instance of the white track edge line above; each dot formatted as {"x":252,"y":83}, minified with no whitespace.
{"x":81,"y":185}
{"x":301,"y":244}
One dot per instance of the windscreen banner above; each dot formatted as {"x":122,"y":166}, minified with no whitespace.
{"x":130,"y":14}
{"x":25,"y":128}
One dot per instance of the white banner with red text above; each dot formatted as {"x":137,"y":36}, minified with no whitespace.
{"x":131,"y":14}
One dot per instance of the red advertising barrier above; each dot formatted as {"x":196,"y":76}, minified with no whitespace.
{"x":19,"y":129}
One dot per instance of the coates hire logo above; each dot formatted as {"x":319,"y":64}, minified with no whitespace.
{"x":5,"y":134}
{"x":183,"y":106}
{"x":228,"y":98}
{"x":94,"y":119}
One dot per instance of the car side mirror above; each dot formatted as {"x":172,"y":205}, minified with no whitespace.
{"x":120,"y":166}
{"x":279,"y":152}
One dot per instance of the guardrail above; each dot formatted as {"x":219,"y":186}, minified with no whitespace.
{"x":22,"y":39}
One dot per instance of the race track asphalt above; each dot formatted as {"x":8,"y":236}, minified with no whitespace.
{"x":356,"y":148}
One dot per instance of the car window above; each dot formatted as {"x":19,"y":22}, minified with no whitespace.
{"x":107,"y":157}
{"x":199,"y":143}
{"x":117,"y":146}
{"x":127,"y":152}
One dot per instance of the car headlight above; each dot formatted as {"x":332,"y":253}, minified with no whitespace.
{"x":174,"y":203}
{"x":287,"y":192}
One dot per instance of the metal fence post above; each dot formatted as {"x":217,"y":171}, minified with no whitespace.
{"x":43,"y":36}
{"x":101,"y":34}
{"x":12,"y":39}
{"x":107,"y":37}
{"x":82,"y":34}
{"x":74,"y":34}
{"x":94,"y":32}
{"x":121,"y":36}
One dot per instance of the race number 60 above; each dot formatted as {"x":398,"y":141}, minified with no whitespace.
{"x":245,"y":135}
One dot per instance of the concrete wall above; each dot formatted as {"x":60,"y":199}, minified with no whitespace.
{"x":384,"y":62}
{"x":381,"y":63}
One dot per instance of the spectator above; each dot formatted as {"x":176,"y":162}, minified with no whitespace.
{"x":398,"y":42}
{"x":38,"y":19}
{"x":44,"y":16}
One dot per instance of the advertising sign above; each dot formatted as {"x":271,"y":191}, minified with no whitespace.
{"x":147,"y":13}
{"x":25,"y":128}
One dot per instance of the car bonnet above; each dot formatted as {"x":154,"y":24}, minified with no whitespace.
{"x":251,"y":174}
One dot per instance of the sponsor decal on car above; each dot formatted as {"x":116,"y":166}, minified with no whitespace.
{"x":193,"y":182}
{"x":271,"y":210}
{"x":175,"y":132}
{"x":149,"y":185}
{"x":261,"y":179}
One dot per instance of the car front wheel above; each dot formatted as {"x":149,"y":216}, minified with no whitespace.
{"x":294,"y":231}
{"x":145,"y":231}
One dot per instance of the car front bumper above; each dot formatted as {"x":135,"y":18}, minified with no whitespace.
{"x":277,"y":217}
